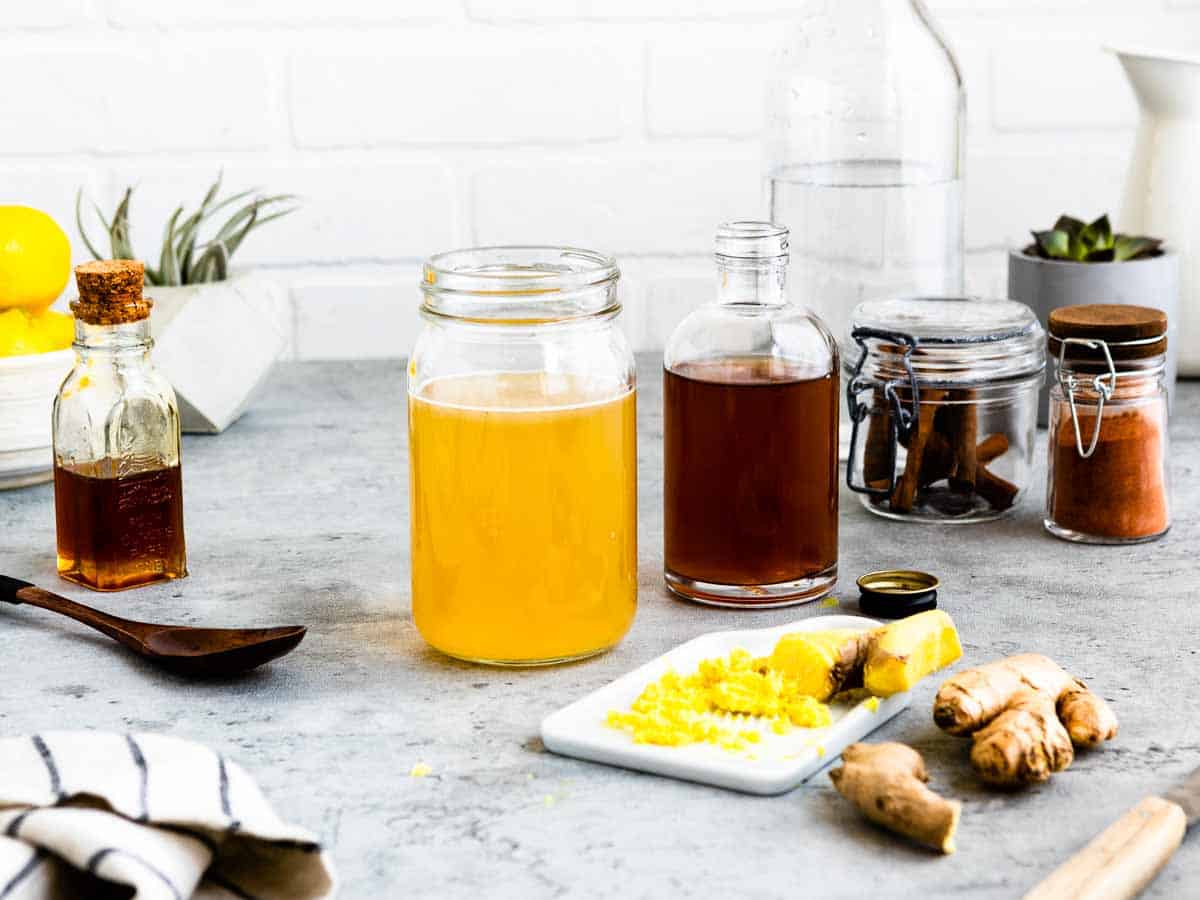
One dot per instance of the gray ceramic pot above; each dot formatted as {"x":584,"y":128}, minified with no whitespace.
{"x":1047,"y":284}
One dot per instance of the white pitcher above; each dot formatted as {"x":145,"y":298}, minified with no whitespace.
{"x":1162,"y":191}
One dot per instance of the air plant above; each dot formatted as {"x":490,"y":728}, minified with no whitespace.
{"x":1071,"y":240}
{"x":185,"y":258}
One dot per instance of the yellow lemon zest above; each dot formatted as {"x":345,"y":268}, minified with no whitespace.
{"x":420,"y":770}
{"x":708,"y":706}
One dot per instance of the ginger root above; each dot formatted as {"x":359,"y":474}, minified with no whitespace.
{"x":886,"y":660}
{"x":887,"y":782}
{"x":821,"y":663}
{"x":1024,"y":712}
{"x":903,"y":652}
{"x":1024,"y":744}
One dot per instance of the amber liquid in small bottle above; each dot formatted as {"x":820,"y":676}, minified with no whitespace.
{"x":750,"y":471}
{"x":119,"y":531}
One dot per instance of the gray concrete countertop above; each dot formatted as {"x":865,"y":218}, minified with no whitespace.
{"x":299,"y":514}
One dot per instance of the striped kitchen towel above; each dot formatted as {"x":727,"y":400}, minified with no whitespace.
{"x":84,"y":812}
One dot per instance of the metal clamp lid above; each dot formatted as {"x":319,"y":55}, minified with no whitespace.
{"x":1104,"y":384}
{"x":901,"y":421}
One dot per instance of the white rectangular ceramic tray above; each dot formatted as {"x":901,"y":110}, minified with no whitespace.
{"x":776,"y":764}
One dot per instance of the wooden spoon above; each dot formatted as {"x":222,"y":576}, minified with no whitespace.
{"x":189,"y":651}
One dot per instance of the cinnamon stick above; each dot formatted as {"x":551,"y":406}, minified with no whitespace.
{"x":998,"y":492}
{"x":990,"y":448}
{"x":876,"y":462}
{"x":963,"y":440}
{"x":905,"y":493}
{"x":938,"y":463}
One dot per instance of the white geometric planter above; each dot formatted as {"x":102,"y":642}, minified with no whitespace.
{"x":217,"y":343}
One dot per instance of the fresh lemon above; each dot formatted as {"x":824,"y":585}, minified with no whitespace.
{"x":22,"y":334}
{"x":35,"y":259}
{"x":52,"y":330}
{"x":16,"y":337}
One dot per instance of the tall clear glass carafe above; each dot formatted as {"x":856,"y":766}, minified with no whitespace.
{"x":864,"y":157}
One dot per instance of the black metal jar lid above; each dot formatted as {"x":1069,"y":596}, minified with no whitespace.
{"x":896,"y":593}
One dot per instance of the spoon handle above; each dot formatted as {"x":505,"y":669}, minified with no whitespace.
{"x":131,"y":634}
{"x":9,"y":587}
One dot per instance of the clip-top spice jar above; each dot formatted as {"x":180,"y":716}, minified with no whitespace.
{"x":943,"y":401}
{"x":750,"y":436}
{"x":118,"y":491}
{"x":522,"y":449}
{"x":1108,"y":479}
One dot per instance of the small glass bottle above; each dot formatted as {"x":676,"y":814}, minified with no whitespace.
{"x":750,"y":431}
{"x":1108,"y":479}
{"x":118,"y":492}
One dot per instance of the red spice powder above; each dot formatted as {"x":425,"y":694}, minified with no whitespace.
{"x":1120,"y":491}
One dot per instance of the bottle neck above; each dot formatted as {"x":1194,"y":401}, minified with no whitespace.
{"x":127,"y":338}
{"x":746,"y":282}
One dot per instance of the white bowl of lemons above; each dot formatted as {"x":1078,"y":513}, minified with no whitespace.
{"x":35,"y":354}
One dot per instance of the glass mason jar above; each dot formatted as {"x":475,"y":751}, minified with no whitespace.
{"x":1108,"y":480}
{"x":943,"y":400}
{"x":118,"y":487}
{"x":522,"y":450}
{"x":864,"y":156}
{"x":750,"y":434}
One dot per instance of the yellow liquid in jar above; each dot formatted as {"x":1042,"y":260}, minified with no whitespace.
{"x":523,"y":492}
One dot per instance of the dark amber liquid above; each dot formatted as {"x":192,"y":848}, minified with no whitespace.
{"x":119,"y":532}
{"x":750,"y":471}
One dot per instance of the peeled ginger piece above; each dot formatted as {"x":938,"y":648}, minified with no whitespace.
{"x":818,"y":664}
{"x":902,"y":653}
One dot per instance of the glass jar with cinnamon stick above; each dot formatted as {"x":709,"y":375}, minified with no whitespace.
{"x":942,"y":396}
{"x":1108,"y":480}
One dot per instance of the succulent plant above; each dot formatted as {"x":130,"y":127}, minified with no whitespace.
{"x":1075,"y":241}
{"x":184,"y":257}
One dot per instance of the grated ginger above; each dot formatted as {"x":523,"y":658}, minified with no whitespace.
{"x":705,"y":707}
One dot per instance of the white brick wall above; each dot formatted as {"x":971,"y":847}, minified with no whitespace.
{"x":409,"y":127}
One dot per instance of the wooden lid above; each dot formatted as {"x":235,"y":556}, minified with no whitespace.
{"x":110,"y":292}
{"x":1131,"y":332}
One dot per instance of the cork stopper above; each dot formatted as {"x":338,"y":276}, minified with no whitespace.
{"x":110,"y":292}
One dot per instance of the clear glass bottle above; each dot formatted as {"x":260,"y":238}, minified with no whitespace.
{"x":750,"y":435}
{"x":864,"y":156}
{"x":523,"y":457}
{"x":1108,"y":480}
{"x":118,"y":489}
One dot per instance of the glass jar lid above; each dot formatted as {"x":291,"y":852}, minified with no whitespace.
{"x":954,"y":340}
{"x":520,"y":285}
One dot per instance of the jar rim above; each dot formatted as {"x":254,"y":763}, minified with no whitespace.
{"x":520,"y":284}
